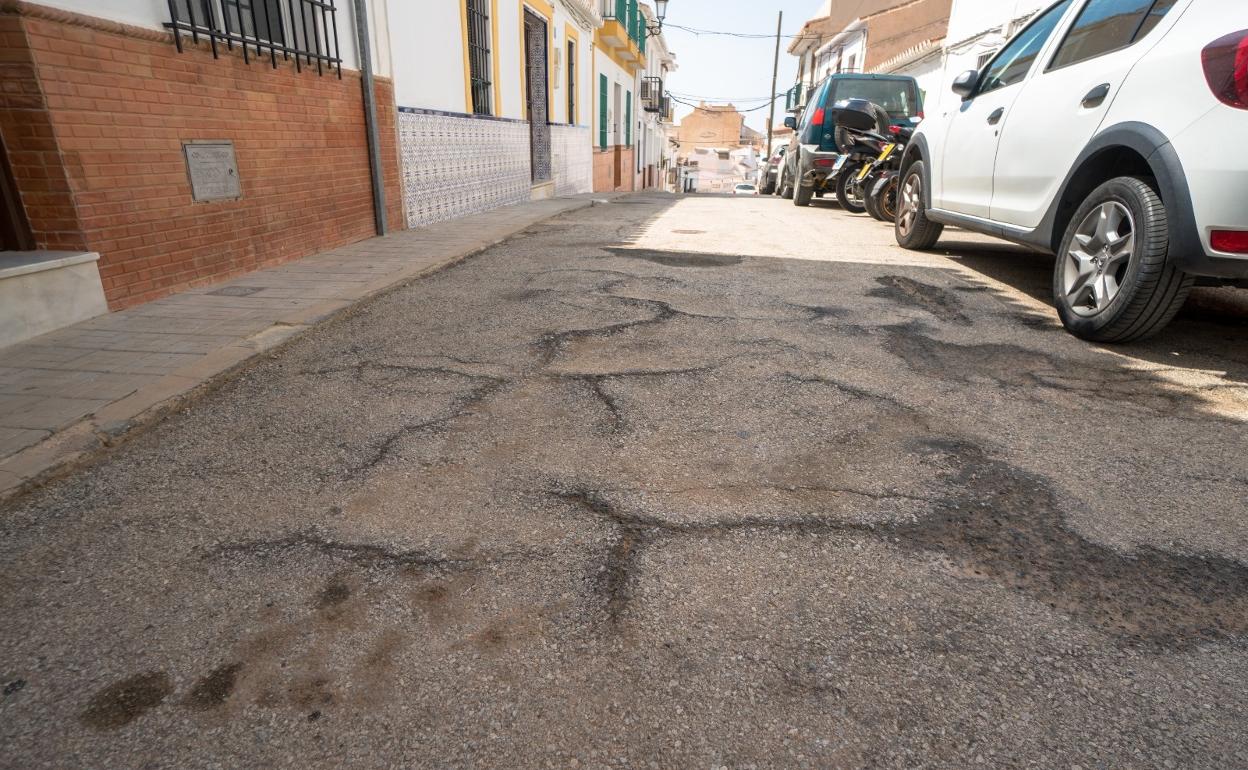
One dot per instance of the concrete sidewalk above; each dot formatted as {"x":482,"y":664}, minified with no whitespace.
{"x":66,"y":394}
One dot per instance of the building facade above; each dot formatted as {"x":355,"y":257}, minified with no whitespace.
{"x":494,"y":102}
{"x":180,"y":159}
{"x":653,"y":154}
{"x":863,"y":36}
{"x":619,"y":60}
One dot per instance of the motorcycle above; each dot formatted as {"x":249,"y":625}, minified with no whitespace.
{"x":872,"y":149}
{"x":882,"y":180}
{"x":861,"y":136}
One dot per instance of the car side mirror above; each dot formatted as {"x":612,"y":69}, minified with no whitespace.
{"x":790,"y":122}
{"x":964,"y":84}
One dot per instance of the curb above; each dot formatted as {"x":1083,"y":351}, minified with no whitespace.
{"x":113,"y":424}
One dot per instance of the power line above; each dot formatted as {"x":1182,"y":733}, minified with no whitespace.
{"x":708,"y":108}
{"x":744,"y":35}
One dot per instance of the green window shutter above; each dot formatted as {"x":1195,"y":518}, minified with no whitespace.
{"x":628,"y":118}
{"x":602,"y":111}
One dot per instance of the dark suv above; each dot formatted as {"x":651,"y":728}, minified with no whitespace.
{"x":812,"y":152}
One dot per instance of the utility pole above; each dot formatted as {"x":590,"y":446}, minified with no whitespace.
{"x":775,"y":76}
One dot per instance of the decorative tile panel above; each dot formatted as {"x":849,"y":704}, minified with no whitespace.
{"x":572,"y":154}
{"x":457,"y":165}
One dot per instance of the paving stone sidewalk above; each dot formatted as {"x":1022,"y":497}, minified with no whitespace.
{"x":66,"y":394}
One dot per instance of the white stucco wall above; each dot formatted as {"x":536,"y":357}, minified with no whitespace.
{"x":153,"y":14}
{"x":427,"y":45}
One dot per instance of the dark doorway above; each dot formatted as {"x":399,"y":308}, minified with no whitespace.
{"x":15,"y":232}
{"x":536,"y":95}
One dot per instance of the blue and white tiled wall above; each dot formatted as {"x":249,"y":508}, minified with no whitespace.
{"x":456,"y":165}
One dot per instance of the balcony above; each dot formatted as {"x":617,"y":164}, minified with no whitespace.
{"x":623,"y":33}
{"x":795,"y":98}
{"x":652,"y":94}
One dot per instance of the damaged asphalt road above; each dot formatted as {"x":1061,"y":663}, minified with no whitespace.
{"x":653,"y":486}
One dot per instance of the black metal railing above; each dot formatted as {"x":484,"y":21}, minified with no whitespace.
{"x":305,"y":30}
{"x":652,"y":94}
{"x":479,"y":55}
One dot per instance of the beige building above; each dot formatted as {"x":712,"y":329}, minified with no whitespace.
{"x":714,"y":126}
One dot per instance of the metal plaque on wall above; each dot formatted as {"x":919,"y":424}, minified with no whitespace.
{"x":213,"y":170}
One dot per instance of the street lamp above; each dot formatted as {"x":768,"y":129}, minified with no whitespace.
{"x":660,"y":12}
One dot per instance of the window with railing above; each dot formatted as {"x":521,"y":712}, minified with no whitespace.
{"x":652,"y":94}
{"x":479,"y":53}
{"x":303,"y":30}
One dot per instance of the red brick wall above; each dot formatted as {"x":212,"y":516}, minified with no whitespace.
{"x":120,"y":102}
{"x":26,"y":126}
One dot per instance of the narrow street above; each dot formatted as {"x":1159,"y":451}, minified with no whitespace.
{"x":690,"y":482}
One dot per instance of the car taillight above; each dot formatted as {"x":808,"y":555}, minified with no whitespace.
{"x":1226,"y":68}
{"x":817,"y":118}
{"x":1231,"y":241}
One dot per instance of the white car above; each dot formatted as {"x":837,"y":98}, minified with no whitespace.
{"x":1112,"y":133}
{"x":745,"y":189}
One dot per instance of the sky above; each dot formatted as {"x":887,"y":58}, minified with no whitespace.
{"x":726,"y":68}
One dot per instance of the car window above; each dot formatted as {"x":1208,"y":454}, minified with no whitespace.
{"x":1154,"y":17}
{"x":816,"y":101}
{"x":1014,"y":62}
{"x":1109,"y":25}
{"x":899,"y":97}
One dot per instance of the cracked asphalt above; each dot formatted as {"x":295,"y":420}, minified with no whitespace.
{"x":676,"y":483}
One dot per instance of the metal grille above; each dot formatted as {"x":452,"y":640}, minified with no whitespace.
{"x":652,"y":94}
{"x":539,"y":123}
{"x":305,"y":30}
{"x":479,"y":55}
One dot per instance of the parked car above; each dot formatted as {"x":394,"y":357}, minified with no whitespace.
{"x":1109,"y":133}
{"x":769,"y":172}
{"x":812,"y":152}
{"x":745,"y":189}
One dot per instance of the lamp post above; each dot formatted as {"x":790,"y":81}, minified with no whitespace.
{"x":660,"y":13}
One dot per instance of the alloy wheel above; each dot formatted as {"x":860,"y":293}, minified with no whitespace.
{"x":911,"y":197}
{"x":1097,"y":260}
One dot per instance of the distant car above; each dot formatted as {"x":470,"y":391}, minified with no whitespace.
{"x":745,"y":189}
{"x":813,"y":153}
{"x":769,"y":174}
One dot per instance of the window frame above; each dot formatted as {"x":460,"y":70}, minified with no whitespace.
{"x":1053,"y":66}
{"x":571,"y":84}
{"x":479,"y":12}
{"x":979,"y":86}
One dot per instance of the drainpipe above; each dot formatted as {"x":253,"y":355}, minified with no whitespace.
{"x":370,"y":115}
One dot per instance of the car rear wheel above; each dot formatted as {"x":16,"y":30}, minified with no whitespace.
{"x":1113,"y":280}
{"x":912,"y":228}
{"x":786,"y":186}
{"x":802,"y":195}
{"x":849,"y":190}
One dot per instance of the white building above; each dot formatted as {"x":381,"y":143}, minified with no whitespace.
{"x":978,"y":29}
{"x":494,"y":101}
{"x":654,"y":155}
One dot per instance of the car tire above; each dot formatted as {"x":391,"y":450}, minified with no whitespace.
{"x":1114,"y":281}
{"x":848,"y":177}
{"x":802,"y":195}
{"x":786,"y":187}
{"x":912,"y":228}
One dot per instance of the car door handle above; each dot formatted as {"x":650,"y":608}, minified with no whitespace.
{"x":1096,"y":96}
{"x":996,"y":116}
